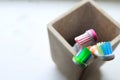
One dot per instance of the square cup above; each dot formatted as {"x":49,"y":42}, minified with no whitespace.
{"x":83,"y":16}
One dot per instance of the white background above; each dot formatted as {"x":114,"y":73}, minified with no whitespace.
{"x":24,"y":45}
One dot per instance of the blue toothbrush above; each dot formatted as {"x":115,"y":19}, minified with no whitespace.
{"x":107,"y":50}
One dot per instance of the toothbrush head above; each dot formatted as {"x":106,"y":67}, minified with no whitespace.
{"x":102,"y":50}
{"x":82,"y":57}
{"x":107,"y":50}
{"x":86,"y":39}
{"x":94,"y":50}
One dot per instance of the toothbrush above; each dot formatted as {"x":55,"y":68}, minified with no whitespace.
{"x":107,"y":50}
{"x":86,"y":39}
{"x":83,"y":57}
{"x":102,"y":50}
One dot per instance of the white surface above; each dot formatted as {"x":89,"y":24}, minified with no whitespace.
{"x":24,"y":46}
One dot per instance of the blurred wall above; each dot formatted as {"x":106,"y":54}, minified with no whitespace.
{"x":56,"y":0}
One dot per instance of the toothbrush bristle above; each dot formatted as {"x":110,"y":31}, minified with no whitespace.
{"x":82,"y":40}
{"x":104,"y":48}
{"x":109,"y":47}
{"x":100,"y":48}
